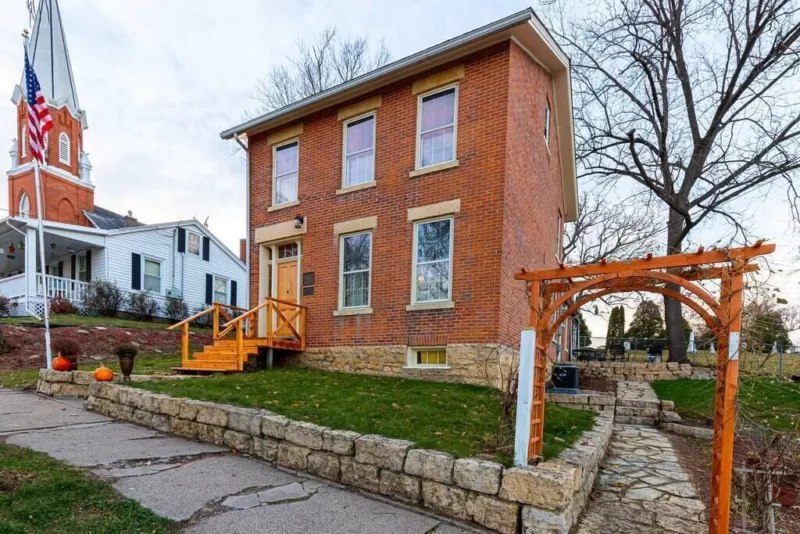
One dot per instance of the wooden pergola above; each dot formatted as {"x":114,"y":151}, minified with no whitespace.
{"x":556,"y":294}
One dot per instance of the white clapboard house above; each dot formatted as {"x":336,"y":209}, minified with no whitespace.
{"x":84,"y":242}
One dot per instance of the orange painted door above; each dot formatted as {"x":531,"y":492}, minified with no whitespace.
{"x":287,"y":291}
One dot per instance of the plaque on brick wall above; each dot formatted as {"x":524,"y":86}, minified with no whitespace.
{"x":308,"y":291}
{"x":308,"y":279}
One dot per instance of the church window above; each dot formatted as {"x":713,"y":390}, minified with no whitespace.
{"x":24,"y":205}
{"x":63,"y":148}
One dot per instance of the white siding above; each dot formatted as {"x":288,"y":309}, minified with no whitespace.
{"x":161,"y":244}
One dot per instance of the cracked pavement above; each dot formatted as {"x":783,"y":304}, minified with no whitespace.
{"x":206,"y":488}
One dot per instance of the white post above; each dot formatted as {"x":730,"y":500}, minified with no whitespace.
{"x":524,"y":396}
{"x":39,"y":218}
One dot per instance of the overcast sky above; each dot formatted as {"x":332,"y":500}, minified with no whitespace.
{"x":160,"y":79}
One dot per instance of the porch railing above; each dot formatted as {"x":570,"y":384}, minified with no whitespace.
{"x":13,"y":286}
{"x":56,"y":286}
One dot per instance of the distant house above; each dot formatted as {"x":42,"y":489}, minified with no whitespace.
{"x":398,"y":206}
{"x":84,"y":242}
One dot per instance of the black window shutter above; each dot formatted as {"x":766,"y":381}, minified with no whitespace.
{"x":181,"y":240}
{"x":136,"y":271}
{"x":209,"y":289}
{"x":72,"y":263}
{"x":46,"y":269}
{"x":206,"y":248}
{"x":61,"y":269}
{"x":89,"y":265}
{"x":233,"y":293}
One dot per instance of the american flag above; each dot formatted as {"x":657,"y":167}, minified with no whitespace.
{"x":39,"y":119}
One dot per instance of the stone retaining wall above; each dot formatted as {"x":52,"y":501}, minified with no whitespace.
{"x":76,"y":383}
{"x":641,"y":371}
{"x":546,"y":498}
{"x":626,"y":410}
{"x":586,"y":400}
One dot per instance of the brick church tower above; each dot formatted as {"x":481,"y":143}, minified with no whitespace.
{"x":67,"y":190}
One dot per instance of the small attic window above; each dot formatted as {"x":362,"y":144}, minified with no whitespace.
{"x":63,"y":148}
{"x":24,"y":142}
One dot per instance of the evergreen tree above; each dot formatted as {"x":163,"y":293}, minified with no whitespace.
{"x":616,"y":326}
{"x":584,"y":334}
{"x":647,"y":322}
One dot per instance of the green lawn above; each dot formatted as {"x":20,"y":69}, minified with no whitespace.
{"x":461,"y":419}
{"x":764,"y":400}
{"x":87,"y":320}
{"x":148,"y":365}
{"x":40,"y":494}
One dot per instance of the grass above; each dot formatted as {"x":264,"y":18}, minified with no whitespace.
{"x":88,"y":320}
{"x":764,"y":400}
{"x":461,"y":419}
{"x":27,"y":378}
{"x":40,"y":494}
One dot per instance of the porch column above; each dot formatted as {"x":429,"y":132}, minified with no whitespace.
{"x":30,"y":261}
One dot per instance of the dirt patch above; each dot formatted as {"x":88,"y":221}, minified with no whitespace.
{"x":597,"y":384}
{"x":11,"y":480}
{"x":97,"y":343}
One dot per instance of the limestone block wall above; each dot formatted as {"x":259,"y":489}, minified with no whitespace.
{"x":76,"y":383}
{"x":596,"y":402}
{"x":641,"y":371}
{"x":546,"y":498}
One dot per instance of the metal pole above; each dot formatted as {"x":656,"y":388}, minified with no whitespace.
{"x":39,"y":210}
{"x":780,"y":364}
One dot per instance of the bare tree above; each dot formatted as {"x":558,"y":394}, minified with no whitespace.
{"x":693,"y":100}
{"x":325,"y":61}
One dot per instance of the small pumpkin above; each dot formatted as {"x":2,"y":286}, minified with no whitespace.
{"x":61,"y":364}
{"x":103,"y":374}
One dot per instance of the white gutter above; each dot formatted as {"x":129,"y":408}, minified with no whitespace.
{"x":247,"y":222}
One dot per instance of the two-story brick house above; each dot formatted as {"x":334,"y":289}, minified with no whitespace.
{"x":398,"y":206}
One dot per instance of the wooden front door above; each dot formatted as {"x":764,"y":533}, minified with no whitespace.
{"x":286,"y":287}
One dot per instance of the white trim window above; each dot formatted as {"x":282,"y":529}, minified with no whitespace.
{"x":221,"y":290}
{"x":83,"y":268}
{"x":437,"y":117}
{"x":359,"y":150}
{"x":355,"y":268}
{"x":152,"y":276}
{"x":24,"y":142}
{"x":559,"y":238}
{"x":63,"y":148}
{"x":547,"y":123}
{"x":24,"y":205}
{"x":193,"y":243}
{"x":284,"y":172}
{"x":428,"y":357}
{"x":433,"y":261}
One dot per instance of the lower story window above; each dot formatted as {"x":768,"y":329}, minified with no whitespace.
{"x":430,"y":356}
{"x":83,"y":271}
{"x":220,"y":290}
{"x":152,"y":276}
{"x":356,"y":255}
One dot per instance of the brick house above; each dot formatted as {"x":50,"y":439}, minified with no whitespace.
{"x":398,"y":206}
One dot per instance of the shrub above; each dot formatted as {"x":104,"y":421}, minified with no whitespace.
{"x":62,"y":306}
{"x":103,"y":298}
{"x":66,"y":347}
{"x":126,"y":350}
{"x":176,"y":310}
{"x":204,"y":321}
{"x":142,"y":306}
{"x":5,"y":305}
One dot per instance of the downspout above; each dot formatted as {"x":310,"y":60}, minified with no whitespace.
{"x":247,"y":222}
{"x":174,"y":246}
{"x":27,"y":300}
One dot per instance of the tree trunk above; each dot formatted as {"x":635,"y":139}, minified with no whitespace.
{"x":673,"y":314}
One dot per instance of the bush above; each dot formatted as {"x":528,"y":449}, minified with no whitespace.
{"x":62,"y":306}
{"x":103,"y":298}
{"x":5,"y":306}
{"x":126,"y":350}
{"x":176,"y":310}
{"x":66,"y":347}
{"x":142,"y":306}
{"x":205,"y":321}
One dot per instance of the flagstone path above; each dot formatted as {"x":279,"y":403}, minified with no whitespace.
{"x":641,"y":488}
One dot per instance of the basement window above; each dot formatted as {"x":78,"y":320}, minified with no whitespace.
{"x":428,"y":357}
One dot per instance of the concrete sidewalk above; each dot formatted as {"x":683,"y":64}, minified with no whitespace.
{"x":208,"y":488}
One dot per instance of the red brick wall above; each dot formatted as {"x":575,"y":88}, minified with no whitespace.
{"x":533,"y":192}
{"x":479,"y":182}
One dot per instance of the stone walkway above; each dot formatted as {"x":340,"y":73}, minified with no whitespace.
{"x":204,"y":486}
{"x":637,"y":403}
{"x":641,"y":488}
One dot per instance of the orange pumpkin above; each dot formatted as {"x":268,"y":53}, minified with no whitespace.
{"x":61,"y":364}
{"x":103,"y":374}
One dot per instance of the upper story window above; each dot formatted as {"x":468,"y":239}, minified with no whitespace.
{"x":547,"y":123}
{"x":356,"y":259}
{"x":359,"y":151}
{"x":63,"y":148}
{"x":24,"y":141}
{"x":284,"y":183}
{"x":433,"y":260}
{"x":24,"y":205}
{"x":559,"y":237}
{"x":436,"y":126}
{"x":193,"y":246}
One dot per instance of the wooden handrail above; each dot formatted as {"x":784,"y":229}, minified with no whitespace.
{"x":287,"y":303}
{"x":247,"y":314}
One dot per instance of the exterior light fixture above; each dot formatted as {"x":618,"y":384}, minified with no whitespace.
{"x":298,"y":222}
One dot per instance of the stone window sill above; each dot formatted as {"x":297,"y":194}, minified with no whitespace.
{"x":277,"y":207}
{"x":420,"y":306}
{"x":434,"y":168}
{"x":426,"y":367}
{"x":353,"y":311}
{"x":358,"y":187}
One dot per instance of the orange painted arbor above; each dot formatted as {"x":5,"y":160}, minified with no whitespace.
{"x":555,"y":294}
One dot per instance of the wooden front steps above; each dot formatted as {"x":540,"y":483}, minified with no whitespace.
{"x":285,"y":330}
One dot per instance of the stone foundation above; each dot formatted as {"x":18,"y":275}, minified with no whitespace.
{"x":76,"y":383}
{"x":546,"y":498}
{"x":641,"y":371}
{"x":473,"y":364}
